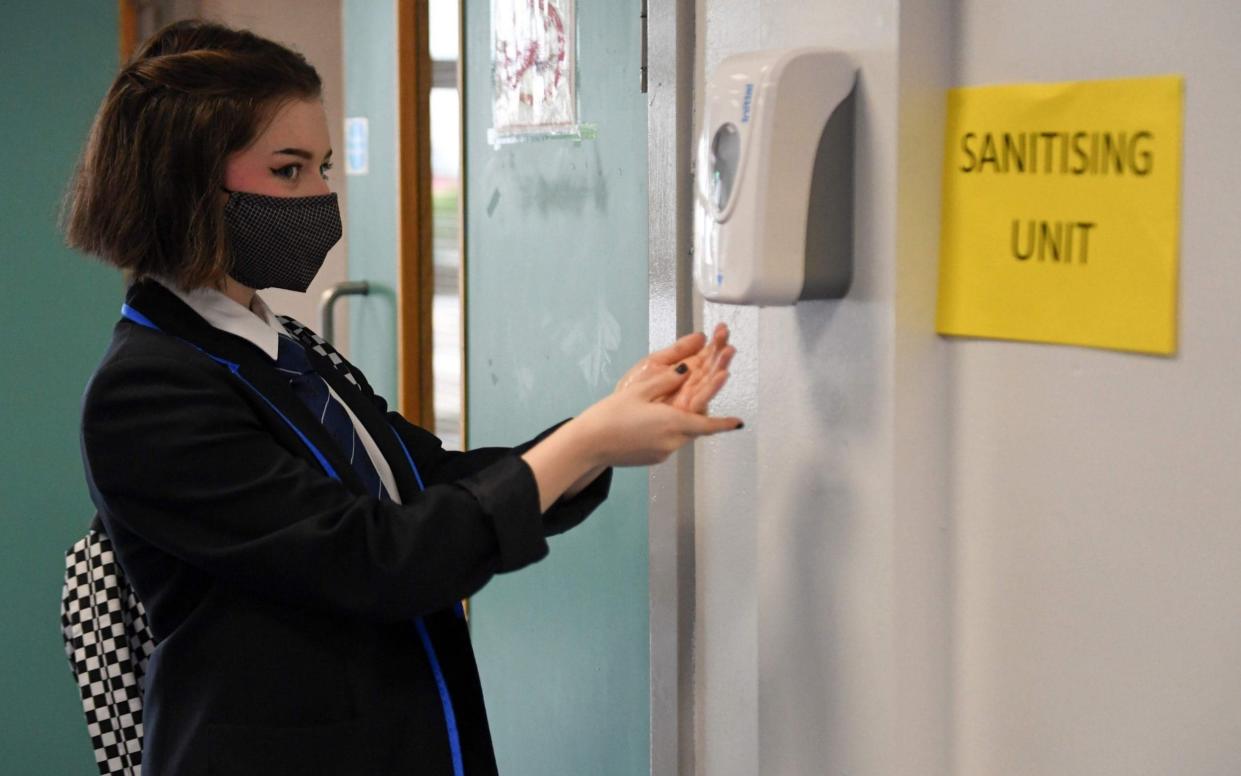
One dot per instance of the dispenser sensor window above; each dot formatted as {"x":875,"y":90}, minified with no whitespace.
{"x":725,"y":152}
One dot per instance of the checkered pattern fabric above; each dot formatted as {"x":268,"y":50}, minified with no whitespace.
{"x":319,"y":345}
{"x":108,"y":645}
{"x":107,"y":639}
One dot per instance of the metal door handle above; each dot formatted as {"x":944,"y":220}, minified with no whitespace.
{"x":327,"y":302}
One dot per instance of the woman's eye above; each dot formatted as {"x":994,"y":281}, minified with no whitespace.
{"x":288,"y":172}
{"x":323,"y":169}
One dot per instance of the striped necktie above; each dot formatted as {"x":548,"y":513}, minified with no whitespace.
{"x":306,"y":383}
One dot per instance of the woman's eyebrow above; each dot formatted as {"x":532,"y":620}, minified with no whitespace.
{"x":301,"y":153}
{"x":298,"y":152}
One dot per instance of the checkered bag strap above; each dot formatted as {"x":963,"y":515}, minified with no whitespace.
{"x":312,"y":341}
{"x":108,"y":644}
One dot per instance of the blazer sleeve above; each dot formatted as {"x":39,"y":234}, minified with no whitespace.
{"x":440,"y":466}
{"x":179,"y":458}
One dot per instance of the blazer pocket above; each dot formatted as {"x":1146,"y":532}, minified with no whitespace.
{"x":334,"y":749}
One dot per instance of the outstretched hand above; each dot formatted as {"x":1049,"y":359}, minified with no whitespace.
{"x":658,"y":406}
{"x":634,"y":426}
{"x":707,"y":364}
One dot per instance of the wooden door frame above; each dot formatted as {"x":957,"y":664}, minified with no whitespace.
{"x":415,"y":265}
{"x":127,"y":16}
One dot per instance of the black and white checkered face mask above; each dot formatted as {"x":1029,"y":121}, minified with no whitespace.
{"x":280,"y":242}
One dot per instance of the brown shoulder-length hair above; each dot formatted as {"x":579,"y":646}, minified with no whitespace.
{"x":146,"y":195}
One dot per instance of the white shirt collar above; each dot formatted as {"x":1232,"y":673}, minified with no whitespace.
{"x":258,"y":324}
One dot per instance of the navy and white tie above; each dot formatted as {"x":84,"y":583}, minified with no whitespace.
{"x":313,"y":391}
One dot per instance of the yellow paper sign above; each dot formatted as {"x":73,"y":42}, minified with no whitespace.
{"x":1061,"y":213}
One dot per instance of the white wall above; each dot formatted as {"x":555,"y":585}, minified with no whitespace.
{"x":1096,"y":496}
{"x":312,"y":28}
{"x":794,"y":629}
{"x":931,"y":556}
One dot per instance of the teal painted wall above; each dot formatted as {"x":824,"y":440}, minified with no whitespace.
{"x":369,"y":40}
{"x":557,"y":310}
{"x":57,"y":60}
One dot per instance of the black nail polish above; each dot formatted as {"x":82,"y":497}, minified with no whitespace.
{"x":682,"y":369}
{"x":740,"y":426}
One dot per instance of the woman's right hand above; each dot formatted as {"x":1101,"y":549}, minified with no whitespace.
{"x":639,"y":424}
{"x":634,"y":426}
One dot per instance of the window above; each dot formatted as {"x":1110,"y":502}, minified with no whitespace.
{"x":445,"y":121}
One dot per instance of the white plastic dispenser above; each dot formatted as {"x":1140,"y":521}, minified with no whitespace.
{"x":773,"y":202}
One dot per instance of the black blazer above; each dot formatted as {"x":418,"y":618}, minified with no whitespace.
{"x":303,"y":627}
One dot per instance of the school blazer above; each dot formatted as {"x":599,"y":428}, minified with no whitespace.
{"x":303,"y":627}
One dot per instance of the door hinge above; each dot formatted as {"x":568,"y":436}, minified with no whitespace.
{"x":642,"y":67}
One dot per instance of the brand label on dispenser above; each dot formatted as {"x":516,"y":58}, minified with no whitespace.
{"x":1061,"y":213}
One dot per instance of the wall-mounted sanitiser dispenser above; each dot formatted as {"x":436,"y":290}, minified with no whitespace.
{"x":773,"y":202}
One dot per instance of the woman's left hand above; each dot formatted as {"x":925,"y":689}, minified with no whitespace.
{"x":706,"y":360}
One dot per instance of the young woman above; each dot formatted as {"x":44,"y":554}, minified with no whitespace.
{"x":301,"y":550}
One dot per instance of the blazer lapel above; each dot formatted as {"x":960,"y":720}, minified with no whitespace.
{"x":176,"y":318}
